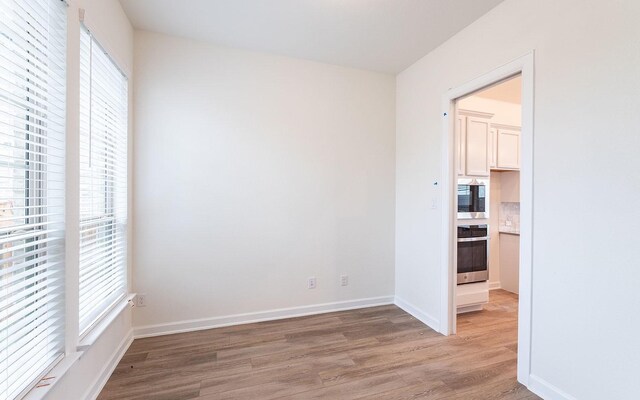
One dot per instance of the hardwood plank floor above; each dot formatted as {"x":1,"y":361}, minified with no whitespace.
{"x":373,"y":353}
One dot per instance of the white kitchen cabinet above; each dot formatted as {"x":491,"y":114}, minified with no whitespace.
{"x":509,"y":262}
{"x":461,"y":138}
{"x":508,"y":148}
{"x":477,"y":146}
{"x":471,"y":296}
{"x":493,"y":148}
{"x":473,"y":143}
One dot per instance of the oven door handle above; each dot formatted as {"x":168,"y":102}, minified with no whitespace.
{"x":473,"y":239}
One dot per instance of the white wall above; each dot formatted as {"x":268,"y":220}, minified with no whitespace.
{"x":254,"y":172}
{"x":510,"y":186}
{"x":585,"y":274}
{"x":111,"y":27}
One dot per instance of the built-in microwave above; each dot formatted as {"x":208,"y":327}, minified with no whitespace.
{"x":473,"y":198}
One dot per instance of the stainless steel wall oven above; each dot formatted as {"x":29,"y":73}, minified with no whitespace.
{"x":473,"y":253}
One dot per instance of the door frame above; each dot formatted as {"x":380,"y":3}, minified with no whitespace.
{"x":523,"y":66}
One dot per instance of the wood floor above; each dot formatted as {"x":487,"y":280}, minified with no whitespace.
{"x":374,"y":353}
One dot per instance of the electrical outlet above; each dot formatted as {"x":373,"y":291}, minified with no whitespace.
{"x":141,"y":300}
{"x":344,"y":280}
{"x":311,"y":283}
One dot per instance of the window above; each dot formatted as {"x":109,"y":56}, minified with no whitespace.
{"x":32,"y":132}
{"x":103,"y":183}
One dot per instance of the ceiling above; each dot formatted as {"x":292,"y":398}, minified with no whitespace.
{"x":379,"y":35}
{"x":508,"y":91}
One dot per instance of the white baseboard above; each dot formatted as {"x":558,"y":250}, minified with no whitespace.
{"x":495,"y":285}
{"x":105,"y":374}
{"x":546,"y":390}
{"x":248,"y":318}
{"x":420,"y":315}
{"x":471,"y":308}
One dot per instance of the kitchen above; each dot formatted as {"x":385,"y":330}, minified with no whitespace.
{"x":488,"y":219}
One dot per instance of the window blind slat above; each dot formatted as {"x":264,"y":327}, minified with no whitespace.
{"x":90,"y":247}
{"x":25,"y":135}
{"x":92,"y":278}
{"x":27,"y":285}
{"x":13,"y":264}
{"x":17,"y":324}
{"x":94,"y":252}
{"x":25,"y":369}
{"x":102,"y":292}
{"x":17,"y":315}
{"x":12,"y":64}
{"x":28,"y":269}
{"x":25,"y":35}
{"x":28,"y":333}
{"x":96,"y":265}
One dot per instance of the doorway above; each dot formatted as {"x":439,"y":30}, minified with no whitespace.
{"x":523,"y":69}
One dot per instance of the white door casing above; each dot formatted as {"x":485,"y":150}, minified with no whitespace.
{"x":524,"y":66}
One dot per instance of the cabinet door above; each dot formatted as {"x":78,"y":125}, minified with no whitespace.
{"x":477,"y":148}
{"x":461,"y":125}
{"x":493,"y":148}
{"x":508,"y":149}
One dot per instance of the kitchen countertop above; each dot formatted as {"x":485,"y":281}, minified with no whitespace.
{"x":509,"y":231}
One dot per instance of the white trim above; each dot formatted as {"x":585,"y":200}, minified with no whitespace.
{"x":101,"y":380}
{"x":470,"y":308}
{"x":418,"y":314}
{"x":546,"y":390}
{"x":495,"y":285}
{"x":260,"y":316}
{"x":449,"y":209}
{"x":505,"y":126}
{"x":525,"y":66}
{"x":471,"y":113}
{"x":92,"y":335}
{"x":525,"y":291}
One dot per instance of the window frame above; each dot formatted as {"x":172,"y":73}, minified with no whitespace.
{"x":38,"y":244}
{"x":112,"y":221}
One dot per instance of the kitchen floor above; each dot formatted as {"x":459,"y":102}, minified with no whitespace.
{"x":373,"y":353}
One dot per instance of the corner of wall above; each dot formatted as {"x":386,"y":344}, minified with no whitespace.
{"x":422,"y":316}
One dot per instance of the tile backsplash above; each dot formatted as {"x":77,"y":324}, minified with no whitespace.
{"x":509,"y":218}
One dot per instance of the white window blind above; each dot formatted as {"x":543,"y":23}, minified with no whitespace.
{"x":103,"y":183}
{"x":32,"y":131}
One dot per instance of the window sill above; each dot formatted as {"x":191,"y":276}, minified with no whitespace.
{"x":92,"y":336}
{"x":45,"y":384}
{"x":42,"y":388}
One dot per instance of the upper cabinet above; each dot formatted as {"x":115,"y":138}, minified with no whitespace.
{"x":482,"y":146}
{"x":478,"y":140}
{"x":461,"y":139}
{"x":473,"y":143}
{"x":493,"y":148}
{"x":507,"y":148}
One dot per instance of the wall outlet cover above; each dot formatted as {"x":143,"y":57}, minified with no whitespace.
{"x":311,"y":283}
{"x":141,"y":300}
